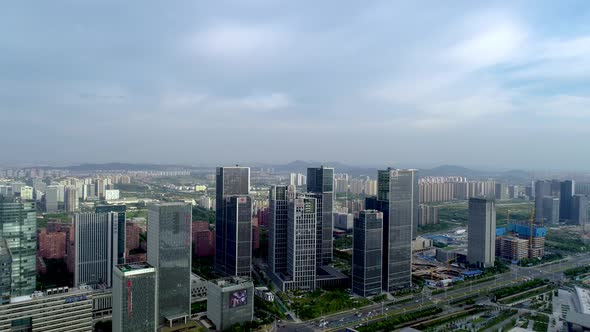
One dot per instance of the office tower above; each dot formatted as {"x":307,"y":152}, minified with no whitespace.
{"x":579,"y":214}
{"x":481,"y":250}
{"x":233,"y":221}
{"x":70,"y":199}
{"x":51,"y":203}
{"x":121,"y":227}
{"x":17,"y":186}
{"x":279,"y":197}
{"x":320,"y":183}
{"x":344,"y":221}
{"x":5,"y":191}
{"x":582,"y":189}
{"x":18,"y":227}
{"x":397,"y":198}
{"x":56,"y":310}
{"x":230,"y":301}
{"x":203,"y":239}
{"x":39,"y":185}
{"x":96,"y":248}
{"x":301,"y":242}
{"x":550,"y":210}
{"x":134,"y":298}
{"x":52,"y":244}
{"x":555,"y":188}
{"x":542,"y":190}
{"x":566,"y":194}
{"x":169,"y":252}
{"x":5,"y":272}
{"x":366,"y":254}
{"x":131,"y":236}
{"x":60,"y":195}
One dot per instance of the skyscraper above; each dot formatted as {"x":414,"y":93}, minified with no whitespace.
{"x":5,"y":272}
{"x":51,"y":198}
{"x":366,"y":254}
{"x":397,"y":198}
{"x":96,"y":248}
{"x":301,"y":242}
{"x":70,"y":199}
{"x":542,"y":190}
{"x":566,"y":193}
{"x":320,"y":184}
{"x":550,"y":210}
{"x":579,"y":214}
{"x":279,"y":197}
{"x":169,"y":232}
{"x":481,"y":250}
{"x":18,"y":226}
{"x":233,"y":222}
{"x":121,"y":227}
{"x":134,"y":298}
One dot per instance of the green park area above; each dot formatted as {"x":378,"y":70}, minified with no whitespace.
{"x":320,"y":302}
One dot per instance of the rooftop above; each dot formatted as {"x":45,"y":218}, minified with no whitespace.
{"x":134,"y":266}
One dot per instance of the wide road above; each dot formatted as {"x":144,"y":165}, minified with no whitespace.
{"x":339,"y":321}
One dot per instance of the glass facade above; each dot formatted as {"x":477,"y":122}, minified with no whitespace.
{"x":233,"y":221}
{"x":169,"y":252}
{"x":301,"y":247}
{"x":277,"y":244}
{"x":18,"y":222}
{"x":121,"y":220}
{"x":320,"y":184}
{"x":366,"y":256}
{"x":134,"y":298}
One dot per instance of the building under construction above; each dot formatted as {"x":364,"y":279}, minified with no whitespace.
{"x":520,"y":240}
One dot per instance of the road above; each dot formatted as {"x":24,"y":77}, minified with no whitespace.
{"x":339,"y":321}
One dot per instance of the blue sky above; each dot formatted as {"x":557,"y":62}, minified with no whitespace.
{"x":474,"y":83}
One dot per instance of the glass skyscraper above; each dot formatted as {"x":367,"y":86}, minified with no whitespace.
{"x":366,"y":254}
{"x":397,"y":197}
{"x":320,"y":185}
{"x":169,"y":231}
{"x":121,"y":220}
{"x":134,"y":298}
{"x":18,"y":221}
{"x":277,"y":234}
{"x":233,"y":222}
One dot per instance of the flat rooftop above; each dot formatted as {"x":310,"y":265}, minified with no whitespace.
{"x":134,"y":266}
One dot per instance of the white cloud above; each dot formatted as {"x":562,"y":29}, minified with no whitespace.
{"x":238,"y":42}
{"x":211,"y":104}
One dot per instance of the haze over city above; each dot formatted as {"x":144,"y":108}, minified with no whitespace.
{"x":478,"y":84}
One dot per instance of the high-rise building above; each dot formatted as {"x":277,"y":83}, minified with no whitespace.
{"x":233,"y":222}
{"x":366,"y":254}
{"x":579,"y":214}
{"x":278,"y":220}
{"x":70,"y":199}
{"x":397,"y":198}
{"x":26,"y":192}
{"x":132,"y":236}
{"x":542,"y":190}
{"x":169,"y":252}
{"x":18,"y":226}
{"x":481,"y":250}
{"x":203,"y":239}
{"x":96,"y":248}
{"x":566,"y":194}
{"x":52,"y":244}
{"x":320,"y":184}
{"x":301,"y":242}
{"x":5,"y":272}
{"x":427,"y":215}
{"x":550,"y":210}
{"x":230,"y":301}
{"x":134,"y":298}
{"x":502,"y":191}
{"x":120,"y":209}
{"x":51,"y":204}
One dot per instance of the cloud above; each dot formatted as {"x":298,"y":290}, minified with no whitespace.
{"x":212,"y":104}
{"x":238,"y":42}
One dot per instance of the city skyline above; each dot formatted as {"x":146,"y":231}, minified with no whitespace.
{"x":442,"y":80}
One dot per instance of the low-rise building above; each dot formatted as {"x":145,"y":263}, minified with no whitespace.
{"x":60,"y":309}
{"x":230,"y":301}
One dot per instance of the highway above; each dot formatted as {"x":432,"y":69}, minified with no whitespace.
{"x":372,"y":313}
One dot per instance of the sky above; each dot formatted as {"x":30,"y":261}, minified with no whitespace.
{"x":423,"y":83}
